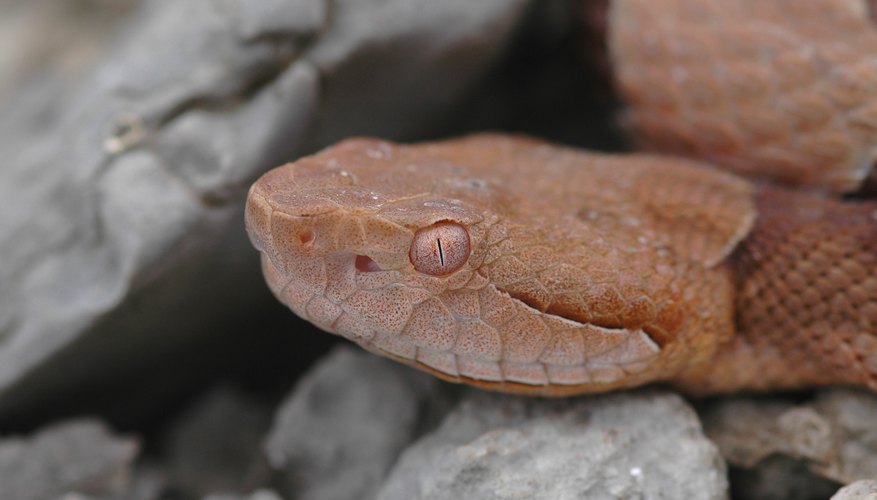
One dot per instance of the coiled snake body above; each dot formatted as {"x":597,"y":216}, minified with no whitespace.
{"x":521,"y":266}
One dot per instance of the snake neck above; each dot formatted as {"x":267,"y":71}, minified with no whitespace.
{"x":806,"y":299}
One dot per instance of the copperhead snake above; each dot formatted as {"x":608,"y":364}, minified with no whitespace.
{"x":516,"y":265}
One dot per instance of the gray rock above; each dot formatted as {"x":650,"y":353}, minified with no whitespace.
{"x":860,"y":490}
{"x":77,"y":456}
{"x":630,"y":445}
{"x":852,"y":417}
{"x":749,"y":430}
{"x":124,"y":192}
{"x":256,"y":495}
{"x":215,"y":446}
{"x":835,"y":435}
{"x":338,"y":433}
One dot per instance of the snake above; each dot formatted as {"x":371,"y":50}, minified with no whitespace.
{"x":737,"y":251}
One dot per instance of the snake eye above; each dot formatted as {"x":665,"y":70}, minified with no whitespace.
{"x":440,"y":249}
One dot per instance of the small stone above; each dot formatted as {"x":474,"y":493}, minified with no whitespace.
{"x":645,"y":444}
{"x":338,"y":433}
{"x":835,"y":435}
{"x":860,"y":490}
{"x":73,"y":457}
{"x":852,"y":417}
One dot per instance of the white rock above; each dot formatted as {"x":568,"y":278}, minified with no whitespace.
{"x":865,"y":489}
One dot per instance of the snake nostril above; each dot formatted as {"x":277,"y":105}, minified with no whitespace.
{"x":365,"y":264}
{"x":306,"y":237}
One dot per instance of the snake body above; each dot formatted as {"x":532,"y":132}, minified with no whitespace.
{"x":521,"y":266}
{"x":782,"y":90}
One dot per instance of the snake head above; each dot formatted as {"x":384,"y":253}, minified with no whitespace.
{"x":502,"y":262}
{"x":371,"y":249}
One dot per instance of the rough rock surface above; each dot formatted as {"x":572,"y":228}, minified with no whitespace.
{"x":860,"y":490}
{"x":345,"y":423}
{"x":77,"y":456}
{"x":124,"y":189}
{"x":634,"y":445}
{"x":835,"y":434}
{"x":215,"y":446}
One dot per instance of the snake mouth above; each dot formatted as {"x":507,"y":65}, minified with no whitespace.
{"x":605,"y":323}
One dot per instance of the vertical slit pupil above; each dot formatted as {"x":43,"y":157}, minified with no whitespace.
{"x":441,"y":252}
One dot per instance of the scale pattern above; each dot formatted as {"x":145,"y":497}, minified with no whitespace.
{"x":780,"y":90}
{"x":806,"y":284}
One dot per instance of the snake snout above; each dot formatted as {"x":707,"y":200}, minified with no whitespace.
{"x":257,"y":218}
